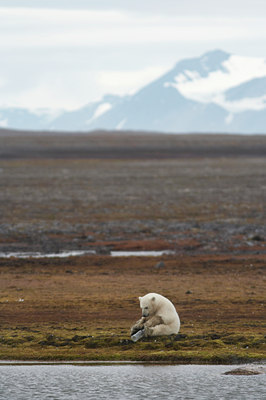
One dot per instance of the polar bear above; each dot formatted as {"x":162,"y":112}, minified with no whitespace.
{"x":159,"y":316}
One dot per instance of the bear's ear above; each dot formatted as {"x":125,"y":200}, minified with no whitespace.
{"x":153,"y":299}
{"x":140,"y":298}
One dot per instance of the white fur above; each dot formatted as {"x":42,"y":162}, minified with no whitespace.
{"x":159,"y":316}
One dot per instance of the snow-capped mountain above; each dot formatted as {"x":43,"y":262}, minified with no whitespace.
{"x":217,"y":92}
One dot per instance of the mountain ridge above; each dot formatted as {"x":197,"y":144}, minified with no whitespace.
{"x":215,"y":93}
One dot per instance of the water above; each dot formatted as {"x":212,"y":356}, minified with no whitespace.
{"x":28,"y":254}
{"x":124,"y":382}
{"x":70,"y":253}
{"x":142,"y":253}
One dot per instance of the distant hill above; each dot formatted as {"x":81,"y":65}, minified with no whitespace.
{"x":215,"y":93}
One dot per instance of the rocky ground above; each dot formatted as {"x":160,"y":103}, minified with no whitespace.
{"x":195,"y":194}
{"x":202,"y":196}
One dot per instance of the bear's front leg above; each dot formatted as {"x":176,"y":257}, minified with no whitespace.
{"x":151,"y":325}
{"x":138,"y":326}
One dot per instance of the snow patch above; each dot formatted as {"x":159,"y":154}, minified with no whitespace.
{"x":236,"y":70}
{"x":47,"y":113}
{"x":120,"y":125}
{"x":100,"y":110}
{"x":229,"y":119}
{"x":181,"y":78}
{"x":248,"y":103}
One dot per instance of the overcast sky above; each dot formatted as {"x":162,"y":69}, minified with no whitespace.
{"x":62,"y":54}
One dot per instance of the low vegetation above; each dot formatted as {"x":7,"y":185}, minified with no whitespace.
{"x":202,"y":196}
{"x":81,"y":308}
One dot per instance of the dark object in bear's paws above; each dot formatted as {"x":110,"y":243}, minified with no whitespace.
{"x":138,"y":335}
{"x":134,"y":330}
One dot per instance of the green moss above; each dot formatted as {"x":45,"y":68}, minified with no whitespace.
{"x":72,"y":343}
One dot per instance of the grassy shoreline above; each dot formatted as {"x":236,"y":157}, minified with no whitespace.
{"x":81,"y":308}
{"x":210,"y":349}
{"x":203,"y":352}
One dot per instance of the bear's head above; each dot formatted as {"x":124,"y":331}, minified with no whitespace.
{"x":148,"y":304}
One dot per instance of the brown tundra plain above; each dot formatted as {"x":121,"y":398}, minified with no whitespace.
{"x":201,"y":196}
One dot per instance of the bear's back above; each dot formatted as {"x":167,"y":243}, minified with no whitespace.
{"x":163,"y":304}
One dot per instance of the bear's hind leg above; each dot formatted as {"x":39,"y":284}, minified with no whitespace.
{"x":158,"y":330}
{"x":151,"y":324}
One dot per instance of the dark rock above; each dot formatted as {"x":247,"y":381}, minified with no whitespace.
{"x":168,"y":345}
{"x":180,"y":336}
{"x":103,"y":250}
{"x":43,"y":342}
{"x":125,"y":342}
{"x":48,"y":343}
{"x":247,"y":371}
{"x":91,"y":345}
{"x":257,"y":238}
{"x":29,"y":338}
{"x":65,"y":343}
{"x":188,"y":292}
{"x":159,"y":265}
{"x":77,"y":338}
{"x":214,"y":336}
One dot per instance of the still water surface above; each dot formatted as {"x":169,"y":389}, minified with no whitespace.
{"x":21,"y":382}
{"x":73,"y":253}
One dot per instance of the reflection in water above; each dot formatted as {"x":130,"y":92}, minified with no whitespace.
{"x":58,"y":382}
